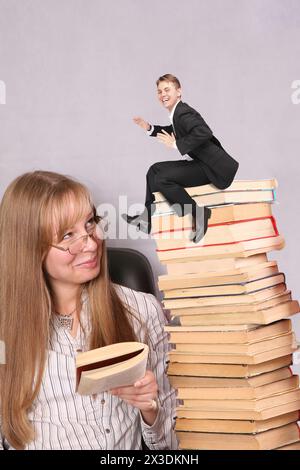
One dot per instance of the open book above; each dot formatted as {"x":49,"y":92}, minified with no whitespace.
{"x":112,"y":366}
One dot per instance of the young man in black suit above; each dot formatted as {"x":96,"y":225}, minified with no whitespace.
{"x":203,"y":160}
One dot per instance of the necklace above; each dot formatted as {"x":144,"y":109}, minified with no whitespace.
{"x":66,"y":320}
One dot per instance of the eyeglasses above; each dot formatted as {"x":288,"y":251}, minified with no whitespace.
{"x":74,"y":247}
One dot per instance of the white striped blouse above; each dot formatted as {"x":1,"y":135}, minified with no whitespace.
{"x":63,"y":419}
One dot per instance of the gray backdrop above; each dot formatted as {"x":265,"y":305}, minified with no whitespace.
{"x":73,"y":73}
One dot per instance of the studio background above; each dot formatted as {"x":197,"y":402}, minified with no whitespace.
{"x":77,"y":71}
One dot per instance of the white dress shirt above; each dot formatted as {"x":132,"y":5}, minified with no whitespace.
{"x":63,"y":419}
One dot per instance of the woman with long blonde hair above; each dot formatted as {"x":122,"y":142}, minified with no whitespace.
{"x":56,"y":299}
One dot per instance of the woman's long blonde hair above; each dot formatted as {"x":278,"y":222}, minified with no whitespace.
{"x":31,"y":206}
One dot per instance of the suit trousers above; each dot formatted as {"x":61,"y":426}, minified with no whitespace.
{"x":170,"y":178}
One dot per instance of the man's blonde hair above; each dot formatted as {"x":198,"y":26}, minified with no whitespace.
{"x":168,"y":77}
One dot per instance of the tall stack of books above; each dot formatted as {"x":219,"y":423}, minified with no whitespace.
{"x":231,"y":338}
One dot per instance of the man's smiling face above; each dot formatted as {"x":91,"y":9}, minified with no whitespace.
{"x":168,"y":94}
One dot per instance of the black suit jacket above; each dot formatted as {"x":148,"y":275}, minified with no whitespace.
{"x":194,"y":137}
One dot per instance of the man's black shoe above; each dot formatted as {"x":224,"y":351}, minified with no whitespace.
{"x":140,"y":221}
{"x":131,"y":219}
{"x":200,"y":224}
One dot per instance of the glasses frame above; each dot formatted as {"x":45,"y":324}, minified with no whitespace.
{"x":97,"y":220}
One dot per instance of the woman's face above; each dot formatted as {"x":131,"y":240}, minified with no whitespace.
{"x":65,"y":269}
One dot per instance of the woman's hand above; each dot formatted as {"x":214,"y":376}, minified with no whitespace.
{"x":142,"y":394}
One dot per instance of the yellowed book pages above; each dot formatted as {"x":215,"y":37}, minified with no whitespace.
{"x":219,"y":215}
{"x":205,"y":279}
{"x":233,"y":250}
{"x":290,"y":402}
{"x":215,"y":265}
{"x":294,"y":446}
{"x":117,"y":365}
{"x":220,"y":198}
{"x":249,"y":350}
{"x":228,"y":370}
{"x":180,"y":381}
{"x":217,"y":336}
{"x":262,"y":441}
{"x":245,"y":299}
{"x":257,"y":404}
{"x":280,"y":300}
{"x":229,"y":265}
{"x":217,"y":235}
{"x":224,"y":328}
{"x":273,"y":301}
{"x":238,"y":393}
{"x":227,"y":289}
{"x":234,"y":426}
{"x":261,"y":317}
{"x":236,"y":185}
{"x":178,"y":356}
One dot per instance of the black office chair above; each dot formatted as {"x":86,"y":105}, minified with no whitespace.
{"x":130,"y":268}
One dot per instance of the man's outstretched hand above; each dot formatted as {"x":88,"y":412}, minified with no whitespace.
{"x":167,"y":139}
{"x":142,"y":123}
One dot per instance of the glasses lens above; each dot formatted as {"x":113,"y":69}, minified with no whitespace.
{"x":98,"y":232}
{"x":78,"y":245}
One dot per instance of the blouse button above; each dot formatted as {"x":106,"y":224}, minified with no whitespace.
{"x":107,"y":431}
{"x":102,"y":402}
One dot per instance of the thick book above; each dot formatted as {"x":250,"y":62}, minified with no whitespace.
{"x":230,"y":250}
{"x":257,"y":404}
{"x":250,"y":273}
{"x":236,"y":185}
{"x":234,"y":358}
{"x":294,"y":446}
{"x":285,"y":403}
{"x":235,"y":426}
{"x":219,"y":215}
{"x":246,"y":299}
{"x":215,"y":266}
{"x":249,"y":352}
{"x":228,"y":370}
{"x":116,"y":365}
{"x":244,"y":383}
{"x":218,"y":336}
{"x":273,"y":301}
{"x":258,"y":317}
{"x":218,"y":441}
{"x":238,"y":393}
{"x":219,"y":234}
{"x":244,"y":287}
{"x":220,"y":198}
